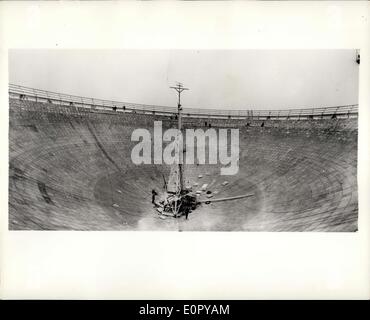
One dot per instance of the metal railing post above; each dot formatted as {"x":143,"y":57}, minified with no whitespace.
{"x":35,"y":94}
{"x":47,"y":97}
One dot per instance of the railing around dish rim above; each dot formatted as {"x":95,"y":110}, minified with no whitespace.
{"x":26,"y":93}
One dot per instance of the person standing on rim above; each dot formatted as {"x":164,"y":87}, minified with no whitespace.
{"x":187,"y":210}
{"x":154,"y":194}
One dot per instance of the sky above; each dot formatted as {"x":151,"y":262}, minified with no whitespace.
{"x":218,"y":79}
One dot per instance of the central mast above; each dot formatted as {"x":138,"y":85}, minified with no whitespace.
{"x":180,"y":174}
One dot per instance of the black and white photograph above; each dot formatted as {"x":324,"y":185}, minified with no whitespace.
{"x":184,"y":156}
{"x":183,"y":140}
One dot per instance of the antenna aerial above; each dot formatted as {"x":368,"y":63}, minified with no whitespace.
{"x":179,"y":88}
{"x":180,"y":174}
